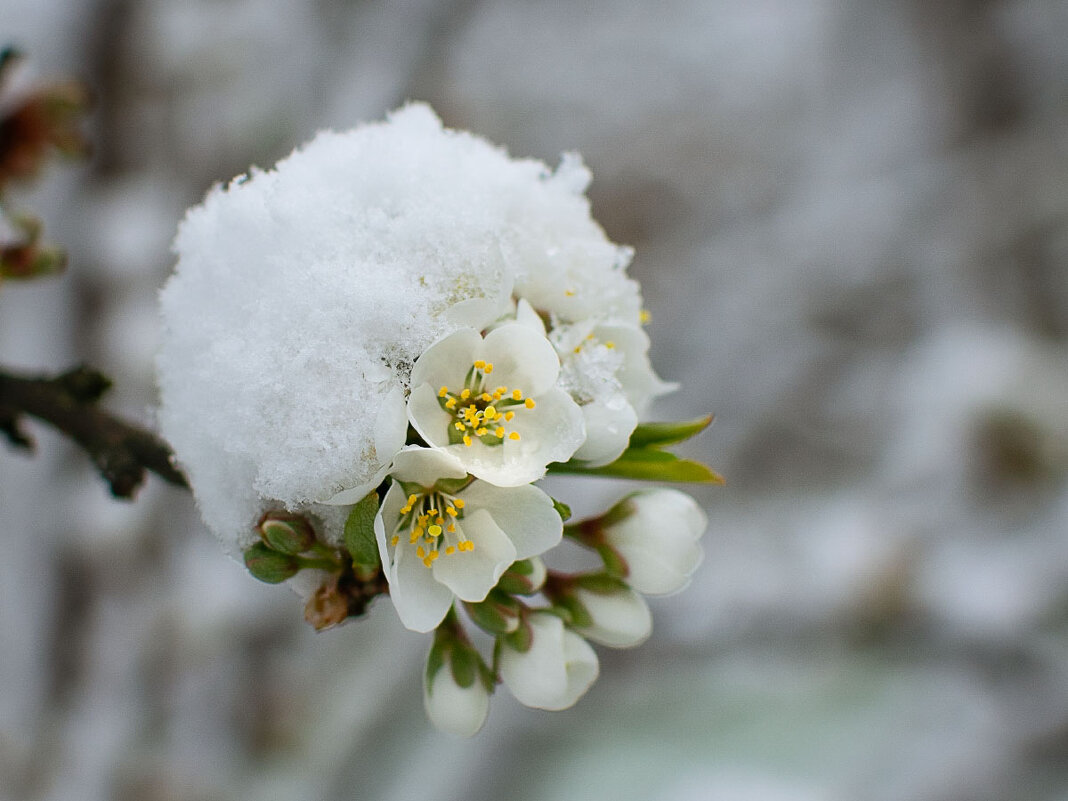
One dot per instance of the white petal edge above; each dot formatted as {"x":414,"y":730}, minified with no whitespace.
{"x":472,"y":574}
{"x":525,"y":514}
{"x":522,"y":358}
{"x":452,"y":708}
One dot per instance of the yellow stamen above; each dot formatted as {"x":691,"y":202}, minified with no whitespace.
{"x":394,"y":541}
{"x":467,"y":440}
{"x":452,"y":528}
{"x":489,"y":367}
{"x":420,"y":552}
{"x":443,"y":392}
{"x":486,"y":397}
{"x":517,"y":394}
{"x":569,"y":293}
{"x":499,"y":433}
{"x":514,"y":436}
{"x":459,"y":426}
{"x":644,"y":316}
{"x":481,"y":432}
{"x":450,"y":403}
{"x":451,"y":510}
{"x":465,"y":394}
{"x":610,"y":345}
{"x":479,"y":364}
{"x":508,"y":416}
{"x":529,"y":403}
{"x":459,"y":502}
{"x":450,"y":551}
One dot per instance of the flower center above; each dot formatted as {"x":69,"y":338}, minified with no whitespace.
{"x":432,"y":523}
{"x":477,"y":412}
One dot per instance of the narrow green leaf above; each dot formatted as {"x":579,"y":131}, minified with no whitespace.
{"x":360,"y":539}
{"x":645,"y":464}
{"x":660,"y":434}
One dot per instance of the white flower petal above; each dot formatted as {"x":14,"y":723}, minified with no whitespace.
{"x":427,"y":417}
{"x":445,"y":363}
{"x":636,"y":375}
{"x":525,"y":315}
{"x":421,"y":602}
{"x":452,"y":708}
{"x":521,"y":358}
{"x":525,"y":514}
{"x":609,"y":424}
{"x":557,"y":670}
{"x":551,"y":435}
{"x":620,"y":619}
{"x":472,"y":574}
{"x":424,"y":466}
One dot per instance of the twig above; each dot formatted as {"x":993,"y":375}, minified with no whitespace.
{"x":120,"y":451}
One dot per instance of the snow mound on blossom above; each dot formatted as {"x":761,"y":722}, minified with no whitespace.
{"x":303,"y":294}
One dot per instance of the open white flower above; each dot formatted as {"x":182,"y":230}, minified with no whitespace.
{"x":656,"y":531}
{"x":620,"y":619}
{"x":605,"y":367}
{"x":442,"y":537}
{"x":494,"y":404}
{"x":555,"y":671}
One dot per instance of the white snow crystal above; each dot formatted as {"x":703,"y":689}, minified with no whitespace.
{"x":303,"y":294}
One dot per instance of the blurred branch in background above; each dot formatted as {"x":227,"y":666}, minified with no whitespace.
{"x":120,"y":451}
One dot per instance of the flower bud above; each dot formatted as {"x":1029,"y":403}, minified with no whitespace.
{"x":270,"y":566}
{"x":656,"y":533}
{"x":523,"y":577}
{"x":619,"y":619}
{"x":455,"y":695}
{"x":555,"y":671}
{"x":287,"y":533}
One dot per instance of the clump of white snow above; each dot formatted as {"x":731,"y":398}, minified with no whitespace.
{"x":303,"y":295}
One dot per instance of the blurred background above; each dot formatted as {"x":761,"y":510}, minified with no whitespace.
{"x":851,"y":224}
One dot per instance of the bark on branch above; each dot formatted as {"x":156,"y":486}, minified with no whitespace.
{"x":120,"y":451}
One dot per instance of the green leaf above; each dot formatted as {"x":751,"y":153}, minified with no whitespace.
{"x":645,"y":464}
{"x":562,"y":509}
{"x":464,"y":665}
{"x":360,"y":539}
{"x":660,"y":434}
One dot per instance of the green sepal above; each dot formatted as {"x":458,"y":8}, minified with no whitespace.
{"x":516,"y":581}
{"x":574,"y":613}
{"x":270,"y":566}
{"x":451,"y":486}
{"x":659,"y":434}
{"x":645,"y":464}
{"x":614,"y":564}
{"x":600,"y":583}
{"x":498,"y":614}
{"x":521,"y":639}
{"x":435,"y":661}
{"x":562,"y":509}
{"x":465,"y":664}
{"x":455,"y":435}
{"x":360,"y":539}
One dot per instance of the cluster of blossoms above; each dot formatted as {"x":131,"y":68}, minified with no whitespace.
{"x":373,"y":351}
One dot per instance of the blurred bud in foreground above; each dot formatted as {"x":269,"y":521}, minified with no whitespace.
{"x":555,"y":671}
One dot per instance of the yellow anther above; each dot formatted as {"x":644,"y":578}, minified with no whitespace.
{"x":514,"y":436}
{"x":610,"y":345}
{"x":481,"y":432}
{"x":443,"y":392}
{"x":394,"y":541}
{"x":499,"y":432}
{"x":450,"y":403}
{"x":529,"y":403}
{"x":489,"y":367}
{"x":644,"y":316}
{"x":450,"y":551}
{"x":433,"y":555}
{"x":440,"y":521}
{"x":459,"y":503}
{"x":468,"y":545}
{"x":517,"y":394}
{"x":479,"y":365}
{"x":412,"y":499}
{"x":578,"y":349}
{"x":569,"y":293}
{"x":486,"y":397}
{"x":420,"y":552}
{"x":452,"y":528}
{"x":498,"y":395}
{"x":413,"y":538}
{"x":502,"y":390}
{"x":451,"y":510}
{"x":434,"y":531}
{"x":465,"y":394}
{"x":508,"y":416}
{"x":458,"y":425}
{"x":405,"y":510}
{"x":467,"y":440}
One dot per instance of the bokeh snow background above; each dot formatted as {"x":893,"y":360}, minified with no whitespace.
{"x":851,"y":224}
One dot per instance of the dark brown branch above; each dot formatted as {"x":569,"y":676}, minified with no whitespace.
{"x":120,"y":451}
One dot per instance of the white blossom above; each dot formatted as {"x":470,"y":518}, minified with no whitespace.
{"x":557,"y":669}
{"x":440,"y":539}
{"x":656,"y":531}
{"x":493,"y":403}
{"x":621,"y":619}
